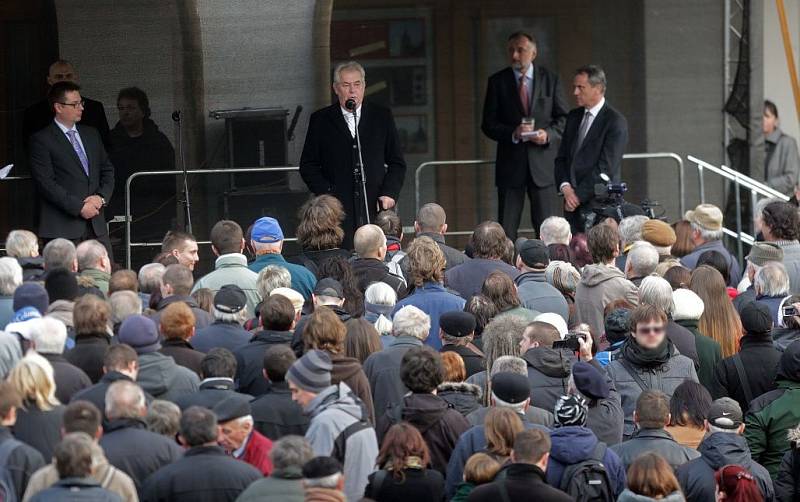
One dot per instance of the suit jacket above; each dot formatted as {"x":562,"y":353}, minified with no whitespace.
{"x":502,"y":113}
{"x":600,"y":152}
{"x":327,"y":161}
{"x":40,"y":114}
{"x":61,"y":184}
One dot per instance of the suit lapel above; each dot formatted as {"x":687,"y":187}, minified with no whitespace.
{"x":62,"y":140}
{"x":339,"y":121}
{"x":538,"y":79}
{"x":597,"y":125}
{"x":513,"y":90}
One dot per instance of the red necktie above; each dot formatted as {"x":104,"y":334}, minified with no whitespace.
{"x":523,"y":95}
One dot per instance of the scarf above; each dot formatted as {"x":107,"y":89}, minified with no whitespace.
{"x":647,"y":358}
{"x":319,"y":494}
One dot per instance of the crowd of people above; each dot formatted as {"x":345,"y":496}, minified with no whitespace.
{"x":639,"y":361}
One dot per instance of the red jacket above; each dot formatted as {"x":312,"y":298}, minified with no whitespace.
{"x":256,"y":453}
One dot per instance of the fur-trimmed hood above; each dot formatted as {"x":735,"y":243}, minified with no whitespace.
{"x":460,"y":387}
{"x":464,"y":397}
{"x":794,"y":437}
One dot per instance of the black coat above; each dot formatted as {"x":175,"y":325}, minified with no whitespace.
{"x":131,"y":448}
{"x":419,"y":485}
{"x":40,"y":115}
{"x":96,"y":394}
{"x":473,"y":361}
{"x":548,"y":374}
{"x":23,"y":461}
{"x":250,"y":361}
{"x":369,"y":270}
{"x":204,"y":473}
{"x":502,"y":114}
{"x":523,"y":482}
{"x":275,"y":414}
{"x":760,"y":359}
{"x":327,"y":161}
{"x":69,"y":378}
{"x":40,"y":429}
{"x":600,"y":152}
{"x":183,"y":353}
{"x":297,"y":336}
{"x":62,"y":185}
{"x":210,"y":393}
{"x":88,"y":354}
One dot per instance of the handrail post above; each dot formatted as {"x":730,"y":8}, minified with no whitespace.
{"x":738,"y":197}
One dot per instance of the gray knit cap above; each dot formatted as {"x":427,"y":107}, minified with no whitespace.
{"x":312,"y":372}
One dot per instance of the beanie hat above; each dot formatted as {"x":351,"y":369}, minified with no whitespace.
{"x":312,"y":372}
{"x":555,"y":321}
{"x":230,"y":299}
{"x":31,"y":294}
{"x":688,"y":306}
{"x":457,"y":323}
{"x":140,"y":333}
{"x":658,"y":233}
{"x":589,"y":381}
{"x":570,"y":410}
{"x":617,"y":325}
{"x":61,"y":284}
{"x":756,"y":318}
{"x":562,"y":276}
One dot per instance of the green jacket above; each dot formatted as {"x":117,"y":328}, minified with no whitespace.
{"x":99,"y":278}
{"x":709,"y":353}
{"x":283,"y":489}
{"x":462,"y":494}
{"x":771,"y":416}
{"x":232,"y":269}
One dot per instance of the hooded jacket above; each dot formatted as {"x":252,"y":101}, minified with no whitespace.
{"x":162,"y":378}
{"x":232,"y":268}
{"x":536,"y":294}
{"x":331,"y":412}
{"x":760,"y":359}
{"x":775,"y":412}
{"x":438,"y":422}
{"x":629,"y":496}
{"x":787,"y":484}
{"x":348,"y":370}
{"x":655,"y":440}
{"x":718,"y":450}
{"x":462,"y":396}
{"x":548,"y":374}
{"x":522,"y":482}
{"x":383,"y":372}
{"x":600,"y":285}
{"x":573,"y":444}
{"x":285,"y":485}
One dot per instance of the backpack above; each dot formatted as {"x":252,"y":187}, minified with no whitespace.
{"x":588,"y":480}
{"x":340,"y":443}
{"x":8,"y":492}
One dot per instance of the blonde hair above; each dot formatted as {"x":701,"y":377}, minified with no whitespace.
{"x":32,"y":377}
{"x":426,"y":261}
{"x":501,"y":425}
{"x":480,"y":469}
{"x":719,"y":321}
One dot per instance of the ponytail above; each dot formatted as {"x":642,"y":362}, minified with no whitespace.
{"x":738,"y":484}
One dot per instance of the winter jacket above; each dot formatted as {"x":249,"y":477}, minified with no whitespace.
{"x":383,"y":372}
{"x":433,"y":299}
{"x":250,"y":360}
{"x":313,"y":258}
{"x":629,"y":496}
{"x":474,"y":361}
{"x":201,"y":317}
{"x":348,"y":370}
{"x":210,"y":392}
{"x":787,"y":483}
{"x":183,"y":353}
{"x":228,"y":335}
{"x":605,"y":417}
{"x":331,"y":412}
{"x":462,"y":396}
{"x":438,"y":422}
{"x":282,"y":486}
{"x":38,"y":428}
{"x":665,"y":378}
{"x":709,"y":352}
{"x":522,"y":482}
{"x":783,"y":337}
{"x":452,"y":256}
{"x":760,"y":361}
{"x":76,"y":489}
{"x":297,"y":336}
{"x":130,"y":447}
{"x":775,"y":412}
{"x":162,"y":378}
{"x":98,"y":277}
{"x":600,"y":285}
{"x":96,"y":394}
{"x":23,"y":462}
{"x":468,"y":277}
{"x":532,"y":415}
{"x":419,"y":485}
{"x":62,"y":310}
{"x":734,"y":271}
{"x":10,"y":353}
{"x":69,"y":378}
{"x":88,"y":353}
{"x":536,"y":294}
{"x":571,"y":445}
{"x":717,"y":450}
{"x":369,"y":270}
{"x":791,"y":260}
{"x":303,"y":280}
{"x":32,"y":268}
{"x":232,"y":268}
{"x":204,"y":474}
{"x":275,"y":414}
{"x":548,"y":374}
{"x":654,"y":440}
{"x":256,"y":452}
{"x":773,"y":303}
{"x":684,"y":341}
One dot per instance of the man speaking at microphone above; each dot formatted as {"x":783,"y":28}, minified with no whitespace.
{"x":329,"y":162}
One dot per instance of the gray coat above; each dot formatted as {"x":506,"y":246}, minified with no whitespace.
{"x":600,"y":285}
{"x":383,"y":372}
{"x":536,"y":294}
{"x":783,"y":165}
{"x":658,"y":441}
{"x":162,"y":378}
{"x":791,"y":260}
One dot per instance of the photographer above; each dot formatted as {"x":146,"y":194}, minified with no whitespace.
{"x":788,"y":329}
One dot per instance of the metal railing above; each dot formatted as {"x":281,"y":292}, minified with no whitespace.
{"x":130,"y":244}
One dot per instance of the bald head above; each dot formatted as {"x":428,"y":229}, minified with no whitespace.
{"x":431,"y":218}
{"x":61,"y":71}
{"x":369,"y":242}
{"x":125,"y":399}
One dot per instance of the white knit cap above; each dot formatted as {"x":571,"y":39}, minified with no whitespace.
{"x":687,"y":305}
{"x":554,"y":320}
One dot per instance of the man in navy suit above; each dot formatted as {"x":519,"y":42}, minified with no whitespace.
{"x":525,"y":152}
{"x":72,"y":174}
{"x":594,"y":140}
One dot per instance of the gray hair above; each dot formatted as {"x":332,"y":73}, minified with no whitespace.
{"x":380,"y":293}
{"x":290,"y":452}
{"x":48,"y":335}
{"x":517,"y":407}
{"x":509,"y":364}
{"x":272,"y":277}
{"x":124,"y":399}
{"x":630,"y":228}
{"x":237,"y":317}
{"x":89,"y":254}
{"x":501,"y":337}
{"x":555,"y":230}
{"x":22,"y":244}
{"x":10,"y":275}
{"x":348,"y":66}
{"x":163,"y":417}
{"x":657,"y":292}
{"x":707,"y":235}
{"x":594,"y":74}
{"x":150,"y":277}
{"x":123,"y":305}
{"x":59,"y":253}
{"x":411,"y":321}
{"x":772,"y":280}
{"x":643,"y":259}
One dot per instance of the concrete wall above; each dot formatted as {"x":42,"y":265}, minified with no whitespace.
{"x":777,"y":83}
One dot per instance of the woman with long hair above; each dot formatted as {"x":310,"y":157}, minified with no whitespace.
{"x":403,"y":474}
{"x":361,"y":339}
{"x":501,"y":425}
{"x":650,"y":478}
{"x":688,"y":408}
{"x":736,"y":484}
{"x":719,"y":321}
{"x":337,"y":267}
{"x":320,"y":232}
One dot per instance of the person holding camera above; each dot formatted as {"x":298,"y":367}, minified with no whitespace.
{"x":788,"y":329}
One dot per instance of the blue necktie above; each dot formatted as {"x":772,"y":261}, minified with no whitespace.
{"x":73,"y":138}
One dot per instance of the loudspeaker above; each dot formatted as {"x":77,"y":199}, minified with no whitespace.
{"x":257,"y":138}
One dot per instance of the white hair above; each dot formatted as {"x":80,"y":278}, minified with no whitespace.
{"x":10,"y":275}
{"x":630,"y":228}
{"x":707,"y":235}
{"x":237,"y":317}
{"x":657,"y":292}
{"x":123,"y":305}
{"x":380,"y":293}
{"x":518,"y":407}
{"x":22,"y":244}
{"x":348,"y":66}
{"x":555,"y":230}
{"x":643,"y":259}
{"x":411,"y":321}
{"x":331,"y":481}
{"x":48,"y":335}
{"x":247,"y":419}
{"x":150,"y":277}
{"x":509,"y":364}
{"x":772,"y":279}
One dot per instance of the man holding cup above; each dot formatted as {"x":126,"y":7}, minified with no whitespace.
{"x":524,"y":112}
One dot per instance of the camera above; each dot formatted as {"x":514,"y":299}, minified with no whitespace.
{"x":570,"y":341}
{"x":789,"y":311}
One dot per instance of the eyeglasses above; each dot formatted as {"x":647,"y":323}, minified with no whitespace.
{"x":80,"y":103}
{"x":647,"y":330}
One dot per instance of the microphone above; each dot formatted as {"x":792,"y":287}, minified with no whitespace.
{"x":176,"y":116}
{"x":350,"y":104}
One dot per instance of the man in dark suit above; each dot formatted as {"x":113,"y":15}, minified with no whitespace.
{"x":40,"y":114}
{"x":329,"y":154}
{"x":72,"y":174}
{"x":594,"y":140}
{"x":524,"y":156}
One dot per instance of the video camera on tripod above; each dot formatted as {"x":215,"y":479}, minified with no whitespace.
{"x":610,"y":203}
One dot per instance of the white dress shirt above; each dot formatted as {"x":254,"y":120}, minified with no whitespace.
{"x":348,"y":117}
{"x":588,"y":116}
{"x":65,"y":130}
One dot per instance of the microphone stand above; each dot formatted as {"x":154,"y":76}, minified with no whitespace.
{"x":176,"y":117}
{"x":360,"y":182}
